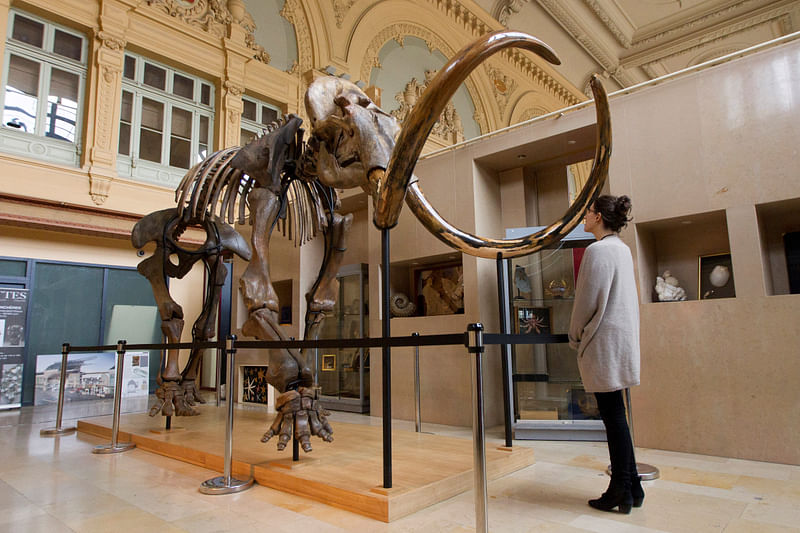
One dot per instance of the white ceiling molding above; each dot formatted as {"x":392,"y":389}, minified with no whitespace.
{"x":669,"y":30}
{"x":582,"y":32}
{"x":707,"y":38}
{"x":634,"y":40}
{"x":614,"y":19}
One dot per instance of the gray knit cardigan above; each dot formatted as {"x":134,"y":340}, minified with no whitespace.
{"x":604,"y":327}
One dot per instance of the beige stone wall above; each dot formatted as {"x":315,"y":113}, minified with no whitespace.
{"x":701,"y":157}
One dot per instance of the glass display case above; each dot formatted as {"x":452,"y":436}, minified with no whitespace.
{"x":548,"y":397}
{"x":343,"y":373}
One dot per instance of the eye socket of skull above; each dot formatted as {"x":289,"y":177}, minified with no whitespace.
{"x":327,"y":129}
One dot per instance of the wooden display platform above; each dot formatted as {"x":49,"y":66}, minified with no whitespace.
{"x":347,"y":473}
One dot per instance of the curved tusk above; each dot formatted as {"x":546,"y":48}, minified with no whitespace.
{"x":506,"y":248}
{"x":390,"y":187}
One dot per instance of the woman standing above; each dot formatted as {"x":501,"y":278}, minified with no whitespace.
{"x":605,"y":330}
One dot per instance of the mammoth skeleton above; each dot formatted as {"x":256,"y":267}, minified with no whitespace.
{"x":281,"y":180}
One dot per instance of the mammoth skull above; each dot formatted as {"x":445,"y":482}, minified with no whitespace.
{"x":359,"y":145}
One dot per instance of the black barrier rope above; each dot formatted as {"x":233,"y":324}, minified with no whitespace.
{"x":455,"y":339}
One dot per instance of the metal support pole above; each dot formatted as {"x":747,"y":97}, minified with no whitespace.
{"x":226,"y":484}
{"x":58,"y":430}
{"x":417,"y":400}
{"x":387,"y":364}
{"x":218,"y":379}
{"x":116,"y":447}
{"x":505,"y":349}
{"x":646,"y":472}
{"x":475,"y":332}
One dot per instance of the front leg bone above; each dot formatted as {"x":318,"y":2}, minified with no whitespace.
{"x":299,"y":412}
{"x":286,"y":366}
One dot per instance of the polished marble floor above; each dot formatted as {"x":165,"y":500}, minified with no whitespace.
{"x":56,"y":485}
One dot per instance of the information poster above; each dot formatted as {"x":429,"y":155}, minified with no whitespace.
{"x":13,"y":311}
{"x":90,"y":376}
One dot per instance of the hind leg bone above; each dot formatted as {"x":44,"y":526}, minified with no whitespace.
{"x":204,"y":329}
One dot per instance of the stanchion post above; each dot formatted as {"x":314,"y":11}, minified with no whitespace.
{"x":58,"y":430}
{"x":505,"y":349}
{"x":646,"y":472}
{"x":386,"y":359}
{"x":417,"y":400}
{"x":226,"y":484}
{"x":218,"y":379}
{"x":476,"y":347}
{"x":116,"y":447}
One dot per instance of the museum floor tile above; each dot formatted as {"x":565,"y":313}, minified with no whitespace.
{"x":56,"y":484}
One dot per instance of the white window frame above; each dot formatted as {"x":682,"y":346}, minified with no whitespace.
{"x":36,"y":144}
{"x":134,"y":167}
{"x":254,"y":126}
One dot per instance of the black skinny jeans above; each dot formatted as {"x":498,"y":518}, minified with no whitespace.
{"x":620,"y":445}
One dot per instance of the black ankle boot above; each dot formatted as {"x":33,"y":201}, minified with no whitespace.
{"x":616,"y":496}
{"x":637,"y":492}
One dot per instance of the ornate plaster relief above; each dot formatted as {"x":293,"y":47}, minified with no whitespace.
{"x":397,"y":32}
{"x":448,"y":126}
{"x":214,"y":16}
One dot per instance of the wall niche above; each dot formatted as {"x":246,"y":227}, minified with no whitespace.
{"x":779,"y":231}
{"x":689,"y":247}
{"x":431,"y":286}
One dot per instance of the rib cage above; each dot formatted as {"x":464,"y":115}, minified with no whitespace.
{"x":214,"y":188}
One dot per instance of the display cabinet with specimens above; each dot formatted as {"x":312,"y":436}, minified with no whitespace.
{"x":343,"y":373}
{"x":548,"y":398}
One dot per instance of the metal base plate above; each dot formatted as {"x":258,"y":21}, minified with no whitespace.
{"x":120,"y":447}
{"x":646,"y":472}
{"x":51,"y":432}
{"x":217,"y":485}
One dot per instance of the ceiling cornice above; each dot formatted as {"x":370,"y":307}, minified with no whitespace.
{"x":615,"y":21}
{"x":707,"y":36}
{"x":579,"y":31}
{"x":668,"y":31}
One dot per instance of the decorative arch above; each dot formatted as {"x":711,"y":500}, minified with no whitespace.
{"x":293,"y":12}
{"x":400,"y":30}
{"x":530,"y":104}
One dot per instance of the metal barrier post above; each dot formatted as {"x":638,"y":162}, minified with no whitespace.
{"x":475,"y":332}
{"x":646,"y":472}
{"x":386,"y":359}
{"x":58,"y":430}
{"x":505,"y":349}
{"x":417,"y":401}
{"x":226,"y":484}
{"x":116,"y":447}
{"x":218,"y":379}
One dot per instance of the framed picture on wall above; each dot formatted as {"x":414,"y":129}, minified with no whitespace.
{"x":439,"y":289}
{"x":715,"y":277}
{"x":534,"y":320}
{"x":328,"y":362}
